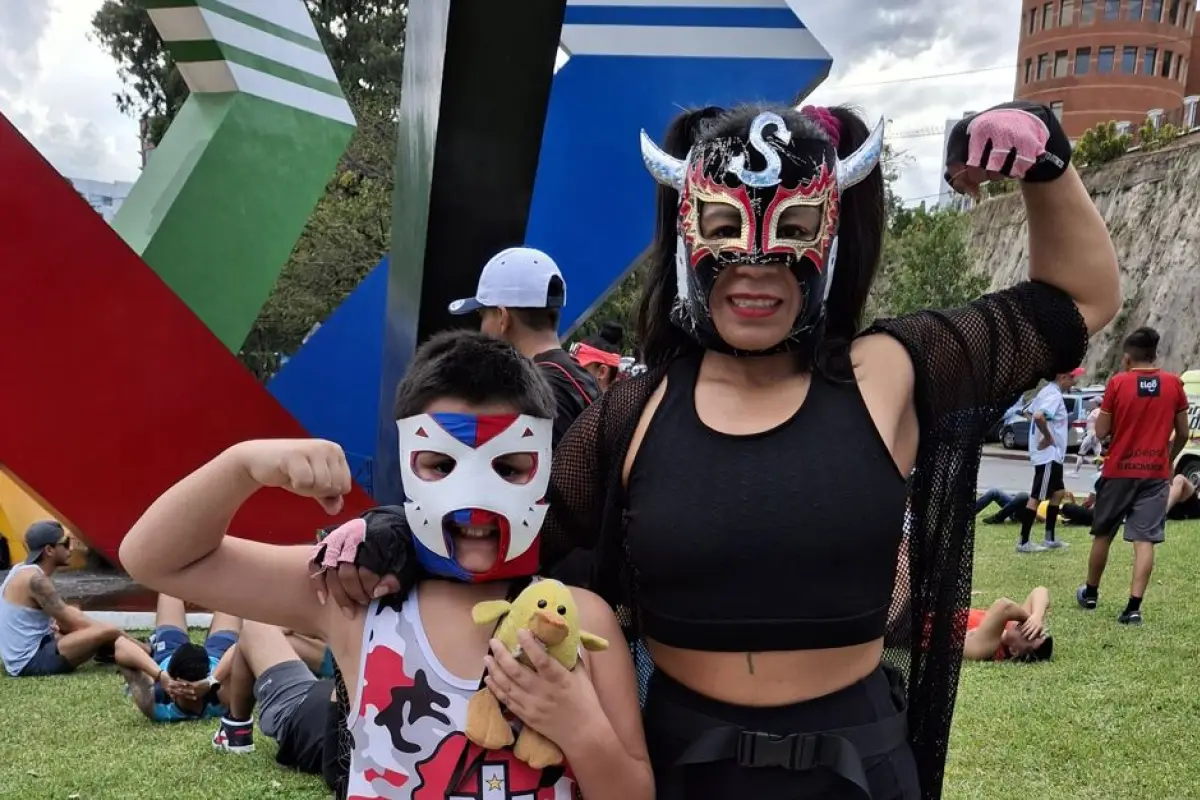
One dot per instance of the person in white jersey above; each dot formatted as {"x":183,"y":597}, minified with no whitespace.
{"x":474,"y":420}
{"x":1047,"y":452}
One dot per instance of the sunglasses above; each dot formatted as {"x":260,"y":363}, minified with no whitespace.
{"x":64,"y":543}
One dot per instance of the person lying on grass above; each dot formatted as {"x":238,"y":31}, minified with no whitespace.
{"x":294,"y":697}
{"x":1008,"y":631}
{"x":474,"y":421}
{"x":39,"y":633}
{"x":179,"y":679}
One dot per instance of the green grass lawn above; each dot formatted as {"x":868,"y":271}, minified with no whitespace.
{"x":1114,"y":715}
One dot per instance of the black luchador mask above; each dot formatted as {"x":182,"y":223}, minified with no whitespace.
{"x":761,"y":177}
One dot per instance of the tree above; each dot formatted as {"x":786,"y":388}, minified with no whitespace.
{"x":1100,"y":145}
{"x":350,"y":228}
{"x":929,"y":265}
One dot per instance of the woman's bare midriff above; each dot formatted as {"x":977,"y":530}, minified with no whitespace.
{"x":767,"y":679}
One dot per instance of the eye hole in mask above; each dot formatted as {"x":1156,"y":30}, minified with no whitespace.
{"x":515,"y":468}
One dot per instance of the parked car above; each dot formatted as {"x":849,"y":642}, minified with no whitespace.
{"x":1014,"y":435}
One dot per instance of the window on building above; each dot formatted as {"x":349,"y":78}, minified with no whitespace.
{"x":1112,"y":9}
{"x":1107,"y":54}
{"x":1028,"y":70}
{"x":1066,"y":14}
{"x":1129,"y":60}
{"x":1083,"y":60}
{"x":1173,"y":19}
{"x":1062,"y":63}
{"x":1135,"y":10}
{"x":1155,"y":11}
{"x":1168,"y":60}
{"x":1047,"y":16}
{"x":1149,"y":57}
{"x":1056,"y":108}
{"x":1032,"y":20}
{"x":1043,"y":67}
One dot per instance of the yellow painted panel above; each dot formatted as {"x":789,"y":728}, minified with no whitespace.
{"x":19,"y":509}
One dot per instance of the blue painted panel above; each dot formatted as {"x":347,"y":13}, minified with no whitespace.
{"x":331,"y":384}
{"x":593,"y":203}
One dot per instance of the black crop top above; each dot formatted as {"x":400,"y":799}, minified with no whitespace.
{"x":781,"y":540}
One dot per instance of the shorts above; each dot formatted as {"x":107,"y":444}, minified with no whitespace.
{"x":166,"y":639}
{"x":47,"y":660}
{"x":858,"y":735}
{"x":1188,"y":509}
{"x":1140,"y":502}
{"x":293,"y":707}
{"x":1047,"y":480}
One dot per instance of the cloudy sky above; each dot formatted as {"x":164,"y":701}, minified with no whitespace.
{"x":916,"y":62}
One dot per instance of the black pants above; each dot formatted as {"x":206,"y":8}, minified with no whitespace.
{"x":680,"y":723}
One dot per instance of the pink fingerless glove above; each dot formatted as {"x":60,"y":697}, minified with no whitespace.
{"x":339,"y":547}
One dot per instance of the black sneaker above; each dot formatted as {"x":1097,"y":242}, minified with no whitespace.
{"x":1085,"y":602}
{"x":1130,"y":617}
{"x":234,"y":737}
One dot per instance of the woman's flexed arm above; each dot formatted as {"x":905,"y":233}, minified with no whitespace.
{"x":1069,"y":245}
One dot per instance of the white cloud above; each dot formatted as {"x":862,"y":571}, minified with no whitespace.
{"x":57,"y":85}
{"x":885,"y":64}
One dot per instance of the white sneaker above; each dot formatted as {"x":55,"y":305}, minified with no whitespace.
{"x":1030,"y":547}
{"x":1055,"y":544}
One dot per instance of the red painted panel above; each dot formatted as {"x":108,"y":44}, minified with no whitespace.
{"x":111,"y":389}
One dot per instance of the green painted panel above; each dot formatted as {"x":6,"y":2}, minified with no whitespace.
{"x":224,"y":199}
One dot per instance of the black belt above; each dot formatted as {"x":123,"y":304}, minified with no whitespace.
{"x":841,"y":751}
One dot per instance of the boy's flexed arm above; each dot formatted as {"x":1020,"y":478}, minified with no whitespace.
{"x":179,"y":545}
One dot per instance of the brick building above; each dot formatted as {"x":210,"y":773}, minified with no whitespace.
{"x":1098,"y":60}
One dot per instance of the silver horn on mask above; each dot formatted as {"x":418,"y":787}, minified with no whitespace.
{"x":665,"y":168}
{"x":858,"y":165}
{"x":670,"y":171}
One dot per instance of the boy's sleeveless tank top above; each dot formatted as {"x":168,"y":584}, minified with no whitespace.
{"x":407,"y":724}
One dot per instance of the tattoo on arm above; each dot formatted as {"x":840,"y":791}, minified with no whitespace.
{"x":46,"y":595}
{"x":141,"y":689}
{"x":750,"y":662}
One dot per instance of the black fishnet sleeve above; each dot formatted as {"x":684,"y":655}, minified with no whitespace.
{"x":980,"y":356}
{"x":576,"y":489}
{"x":586,"y":490}
{"x":969,"y":364}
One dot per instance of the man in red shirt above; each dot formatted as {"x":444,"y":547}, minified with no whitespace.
{"x":1142,"y":406}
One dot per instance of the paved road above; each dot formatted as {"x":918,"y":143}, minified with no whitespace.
{"x":1016,"y":476}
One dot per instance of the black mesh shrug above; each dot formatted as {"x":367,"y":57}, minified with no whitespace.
{"x":969,"y":364}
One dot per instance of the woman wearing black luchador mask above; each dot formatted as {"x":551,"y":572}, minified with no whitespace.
{"x":794,"y":642}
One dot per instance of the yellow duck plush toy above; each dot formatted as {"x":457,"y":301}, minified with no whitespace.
{"x":547,"y":610}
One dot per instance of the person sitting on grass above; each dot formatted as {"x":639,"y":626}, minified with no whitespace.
{"x":293,"y":704}
{"x":179,"y":679}
{"x":1008,"y":631}
{"x":475,"y":423}
{"x":39,"y":633}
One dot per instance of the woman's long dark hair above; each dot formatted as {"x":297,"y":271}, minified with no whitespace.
{"x":859,"y":244}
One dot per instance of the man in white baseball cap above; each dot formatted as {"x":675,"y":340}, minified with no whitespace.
{"x":520,"y":294}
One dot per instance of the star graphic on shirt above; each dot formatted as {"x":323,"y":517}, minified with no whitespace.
{"x":494,"y":784}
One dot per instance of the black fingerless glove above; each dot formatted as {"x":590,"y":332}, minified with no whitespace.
{"x":387,"y":546}
{"x":1049,"y":165}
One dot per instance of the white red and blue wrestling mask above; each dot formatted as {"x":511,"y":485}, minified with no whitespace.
{"x":475,"y":490}
{"x":776,"y":168}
